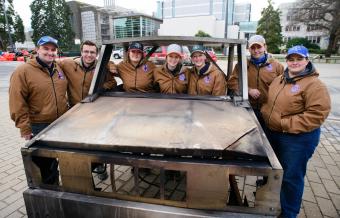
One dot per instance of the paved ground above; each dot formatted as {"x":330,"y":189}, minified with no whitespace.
{"x":322,"y":184}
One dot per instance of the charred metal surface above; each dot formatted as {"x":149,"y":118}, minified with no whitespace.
{"x":181,"y":40}
{"x":56,"y":205}
{"x":162,"y":125}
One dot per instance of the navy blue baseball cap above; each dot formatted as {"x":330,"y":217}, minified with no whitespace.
{"x":299,"y":50}
{"x":197,"y":48}
{"x":136,"y":46}
{"x":47,"y":39}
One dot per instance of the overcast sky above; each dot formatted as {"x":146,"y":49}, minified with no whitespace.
{"x":145,"y":6}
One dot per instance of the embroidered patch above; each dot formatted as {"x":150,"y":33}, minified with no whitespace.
{"x":269,"y":67}
{"x":207,"y":79}
{"x":145,"y":67}
{"x":60,"y":75}
{"x":181,"y":77}
{"x":295,"y":88}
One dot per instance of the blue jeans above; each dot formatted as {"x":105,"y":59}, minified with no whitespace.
{"x":38,"y":127}
{"x":48,"y":166}
{"x":293,"y":152}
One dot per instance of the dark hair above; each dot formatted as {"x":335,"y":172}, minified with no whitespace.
{"x":89,"y":43}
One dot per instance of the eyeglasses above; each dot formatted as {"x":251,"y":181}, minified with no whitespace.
{"x":89,"y":52}
{"x":295,"y":59}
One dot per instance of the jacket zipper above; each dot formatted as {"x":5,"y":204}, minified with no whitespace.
{"x":257,"y":86}
{"x":82,"y":87}
{"x":136,"y":79}
{"x":271,"y":111}
{"x":55,"y":95}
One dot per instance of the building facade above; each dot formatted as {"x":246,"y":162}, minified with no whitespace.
{"x":187,"y":17}
{"x":242,"y":13}
{"x":291,"y":29}
{"x":137,"y":25}
{"x":99,"y":24}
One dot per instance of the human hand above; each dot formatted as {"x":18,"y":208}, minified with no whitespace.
{"x":27,"y":137}
{"x":113,"y":69}
{"x":254,"y":93}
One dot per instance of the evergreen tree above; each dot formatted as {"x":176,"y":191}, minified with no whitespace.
{"x":19,"y":29}
{"x":4,"y":29}
{"x":201,"y":33}
{"x":270,"y":28}
{"x":52,"y":18}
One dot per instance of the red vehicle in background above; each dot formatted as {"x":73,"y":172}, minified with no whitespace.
{"x":158,"y":57}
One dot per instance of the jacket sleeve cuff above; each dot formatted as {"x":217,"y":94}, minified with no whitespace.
{"x":25,"y":131}
{"x":285,"y":124}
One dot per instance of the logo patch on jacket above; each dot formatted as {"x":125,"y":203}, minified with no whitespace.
{"x":295,"y":88}
{"x":145,"y":67}
{"x":181,"y":77}
{"x":269,"y":67}
{"x":61,"y":75}
{"x":207,"y":79}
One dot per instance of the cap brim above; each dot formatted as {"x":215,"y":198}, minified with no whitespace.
{"x":202,"y":52}
{"x":302,"y":55}
{"x":177,"y":53}
{"x":50,"y":43}
{"x":256,"y":43}
{"x":136,"y":49}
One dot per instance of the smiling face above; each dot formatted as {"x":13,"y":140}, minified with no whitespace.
{"x":296,"y":64}
{"x":172,"y":60}
{"x":88,"y":54}
{"x":47,"y":53}
{"x":198,"y":59}
{"x":257,"y":50}
{"x":135,"y":56}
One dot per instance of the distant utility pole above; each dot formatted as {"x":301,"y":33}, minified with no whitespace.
{"x":8,"y":29}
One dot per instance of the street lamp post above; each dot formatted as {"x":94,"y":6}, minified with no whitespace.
{"x":8,"y":29}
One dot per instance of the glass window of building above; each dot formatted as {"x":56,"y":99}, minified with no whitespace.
{"x":135,"y":26}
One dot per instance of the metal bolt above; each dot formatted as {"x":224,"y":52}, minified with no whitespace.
{"x":271,"y":208}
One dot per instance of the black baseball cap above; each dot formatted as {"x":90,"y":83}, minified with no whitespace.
{"x":136,"y":46}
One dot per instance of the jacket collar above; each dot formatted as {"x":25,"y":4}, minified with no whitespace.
{"x":309,"y":71}
{"x":204,"y":70}
{"x":79,"y":62}
{"x":174,"y":72}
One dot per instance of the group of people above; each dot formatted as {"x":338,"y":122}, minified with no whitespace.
{"x":290,"y":104}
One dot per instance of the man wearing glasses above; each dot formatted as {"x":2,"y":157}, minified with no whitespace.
{"x":79,"y":72}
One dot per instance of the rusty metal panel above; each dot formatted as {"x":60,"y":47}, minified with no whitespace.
{"x":149,"y":125}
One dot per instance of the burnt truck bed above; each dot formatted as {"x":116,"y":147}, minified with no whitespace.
{"x":166,"y":156}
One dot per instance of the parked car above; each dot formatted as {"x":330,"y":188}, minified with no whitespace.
{"x":117,"y":54}
{"x":158,"y":57}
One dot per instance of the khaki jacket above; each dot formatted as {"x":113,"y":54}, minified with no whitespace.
{"x":299,"y":106}
{"x":258,"y":78}
{"x":212,"y":82}
{"x":138,"y":79}
{"x":79,"y":79}
{"x":35,"y":96}
{"x":172,"y":84}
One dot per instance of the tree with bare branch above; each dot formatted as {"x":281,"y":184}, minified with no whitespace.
{"x":322,"y":15}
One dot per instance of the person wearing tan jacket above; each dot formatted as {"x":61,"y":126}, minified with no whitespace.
{"x":37,"y":91}
{"x":262,"y":69}
{"x":137,"y":76}
{"x":37,"y":97}
{"x":298,"y":103}
{"x":79,"y":72}
{"x":172,"y":77}
{"x":205,"y":78}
